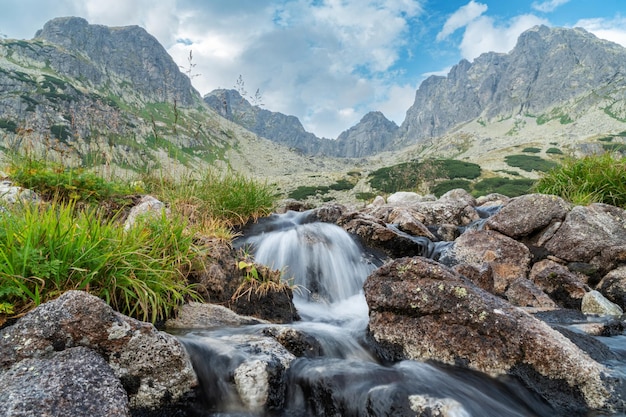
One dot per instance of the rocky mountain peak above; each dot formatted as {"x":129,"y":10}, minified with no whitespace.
{"x":130,"y":53}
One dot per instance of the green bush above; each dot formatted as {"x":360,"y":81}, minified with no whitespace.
{"x":342,"y":185}
{"x":305,"y":191}
{"x":531,"y":150}
{"x":505,"y":186}
{"x":596,"y":178}
{"x":554,"y":151}
{"x":8,"y":125}
{"x":529,"y":163}
{"x":49,"y":249}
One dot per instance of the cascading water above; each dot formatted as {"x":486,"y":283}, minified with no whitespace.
{"x":339,"y":375}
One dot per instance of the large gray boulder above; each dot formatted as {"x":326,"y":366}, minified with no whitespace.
{"x":527,"y":214}
{"x":75,"y":382}
{"x":153,"y":366}
{"x":422,"y":310}
{"x":594,"y":233}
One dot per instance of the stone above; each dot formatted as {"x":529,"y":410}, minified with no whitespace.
{"x":153,"y":366}
{"x":595,"y":303}
{"x":12,"y":194}
{"x":195,"y":315}
{"x":563,"y":286}
{"x":613,"y":286}
{"x":74,"y":382}
{"x":375,"y":234}
{"x":408,"y":222}
{"x":527,"y":214}
{"x":148,"y":208}
{"x":587,"y":231}
{"x":508,"y":259}
{"x":524,"y":293}
{"x":422,"y":310}
{"x":404,"y":198}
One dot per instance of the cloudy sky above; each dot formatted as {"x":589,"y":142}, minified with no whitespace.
{"x":328,"y":62}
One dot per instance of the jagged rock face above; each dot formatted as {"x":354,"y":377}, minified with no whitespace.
{"x":548,"y":67}
{"x":371,"y":135}
{"x":134,"y":56}
{"x":275,"y":126}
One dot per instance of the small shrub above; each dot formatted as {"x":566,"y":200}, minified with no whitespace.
{"x":8,"y":125}
{"x":505,"y":186}
{"x":305,"y":191}
{"x":554,"y":151}
{"x":365,"y":196}
{"x":531,"y":150}
{"x":342,"y":185}
{"x":529,"y":162}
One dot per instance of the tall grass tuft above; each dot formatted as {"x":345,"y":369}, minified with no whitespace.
{"x":231,"y":198}
{"x":592,"y":179}
{"x":48,"y":249}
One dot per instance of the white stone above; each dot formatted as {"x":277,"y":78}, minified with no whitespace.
{"x":595,"y":303}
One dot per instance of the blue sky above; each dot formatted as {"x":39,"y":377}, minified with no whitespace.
{"x":328,"y":62}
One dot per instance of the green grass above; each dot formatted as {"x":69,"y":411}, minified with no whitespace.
{"x":596,"y":178}
{"x":445,"y":186}
{"x":529,"y":163}
{"x":48,"y":249}
{"x":53,"y":180}
{"x":554,"y":151}
{"x":305,"y":191}
{"x":231,"y":198}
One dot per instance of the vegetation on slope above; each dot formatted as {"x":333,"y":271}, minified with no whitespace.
{"x":75,"y":238}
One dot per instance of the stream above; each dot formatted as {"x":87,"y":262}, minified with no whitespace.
{"x":337,"y":372}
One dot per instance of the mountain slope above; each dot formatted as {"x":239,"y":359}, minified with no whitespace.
{"x":101,"y":96}
{"x":552,"y":73}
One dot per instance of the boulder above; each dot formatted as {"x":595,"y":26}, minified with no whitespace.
{"x":196,"y":315}
{"x":421,"y":310}
{"x":12,"y":194}
{"x":153,"y":366}
{"x":148,"y":207}
{"x":562,"y":285}
{"x":375,"y":234}
{"x":74,"y":382}
{"x":527,"y":214}
{"x":613,"y":286}
{"x":508,"y":259}
{"x":591,"y":234}
{"x":407,"y":198}
{"x":524,"y":293}
{"x":595,"y":303}
{"x":409,"y":222}
{"x":444,"y":211}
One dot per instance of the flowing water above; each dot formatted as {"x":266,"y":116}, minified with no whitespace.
{"x":339,"y":375}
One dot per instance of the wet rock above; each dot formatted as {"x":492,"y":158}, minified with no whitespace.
{"x":425,"y":405}
{"x":527,"y":214}
{"x":375,"y":234}
{"x":75,"y":382}
{"x":613,"y":286}
{"x":556,"y":280}
{"x":508,"y":259}
{"x":410,"y":222}
{"x":153,"y":366}
{"x":595,"y":303}
{"x":421,"y":310}
{"x":447,"y":232}
{"x":297,"y":342}
{"x":328,"y":213}
{"x":273,"y":303}
{"x":588,"y":231}
{"x":196,"y":315}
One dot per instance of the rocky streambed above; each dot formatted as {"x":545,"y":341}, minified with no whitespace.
{"x":464,"y":307}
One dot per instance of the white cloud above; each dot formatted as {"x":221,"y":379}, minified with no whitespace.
{"x":462,"y":17}
{"x":610,"y":29}
{"x":483,"y":35}
{"x":548,"y":6}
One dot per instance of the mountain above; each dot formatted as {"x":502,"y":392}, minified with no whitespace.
{"x":111,"y":96}
{"x":370,"y":136}
{"x":551,"y":73}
